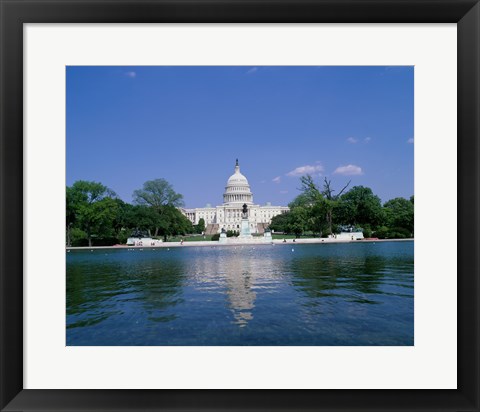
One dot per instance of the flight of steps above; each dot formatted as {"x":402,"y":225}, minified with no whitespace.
{"x":211,"y":228}
{"x":261,"y":228}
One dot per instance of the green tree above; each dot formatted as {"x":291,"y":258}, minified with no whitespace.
{"x":360,"y":206}
{"x":322,"y":203}
{"x":141,"y":218}
{"x":71,"y":214}
{"x":200,"y":227}
{"x":331,"y":201}
{"x":310,"y":191}
{"x":280,"y":222}
{"x":298,"y":220}
{"x":118,"y":223}
{"x":92,"y":208}
{"x":303,"y":200}
{"x":399,"y":214}
{"x":157,"y":194}
{"x":173,"y":223}
{"x":160,"y":196}
{"x":318,"y":218}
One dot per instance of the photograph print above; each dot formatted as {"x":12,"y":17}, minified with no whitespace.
{"x":239,"y":206}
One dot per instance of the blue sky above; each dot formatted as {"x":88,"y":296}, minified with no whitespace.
{"x":127,"y":125}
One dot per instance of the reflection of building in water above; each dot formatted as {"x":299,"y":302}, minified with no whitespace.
{"x":239,"y":276}
{"x":241,"y":271}
{"x":228,"y":216}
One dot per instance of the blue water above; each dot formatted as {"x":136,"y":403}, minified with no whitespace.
{"x":321,"y":294}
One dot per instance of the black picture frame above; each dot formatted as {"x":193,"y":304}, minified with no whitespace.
{"x":14,"y":13}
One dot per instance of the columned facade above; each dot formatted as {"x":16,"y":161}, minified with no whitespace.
{"x":237,"y":189}
{"x":228,"y":216}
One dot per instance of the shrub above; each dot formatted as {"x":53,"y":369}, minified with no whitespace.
{"x":399,"y":233}
{"x":122,"y":236}
{"x":367,"y":231}
{"x":78,"y":237}
{"x":382,"y":232}
{"x":216,"y":236}
{"x":105,"y":241}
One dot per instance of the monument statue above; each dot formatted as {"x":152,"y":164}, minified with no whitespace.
{"x":245,"y":226}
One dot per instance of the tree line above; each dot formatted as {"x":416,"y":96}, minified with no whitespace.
{"x":319,"y":211}
{"x":95,"y":215}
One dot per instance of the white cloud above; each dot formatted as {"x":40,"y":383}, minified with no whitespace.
{"x":349,"y":170}
{"x":277,"y":179}
{"x":252,"y":70}
{"x":307,"y":169}
{"x":367,"y":139}
{"x":283,"y":191}
{"x":131,"y":74}
{"x":352,"y":140}
{"x":410,"y":140}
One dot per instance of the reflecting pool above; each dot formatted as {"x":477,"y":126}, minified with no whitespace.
{"x":289,"y":294}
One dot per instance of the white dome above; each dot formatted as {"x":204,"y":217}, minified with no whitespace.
{"x":237,"y":189}
{"x":237,"y":179}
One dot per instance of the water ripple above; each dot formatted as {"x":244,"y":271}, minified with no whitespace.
{"x":352,"y":294}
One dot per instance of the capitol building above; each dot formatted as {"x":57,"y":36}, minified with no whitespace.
{"x":228,"y":215}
